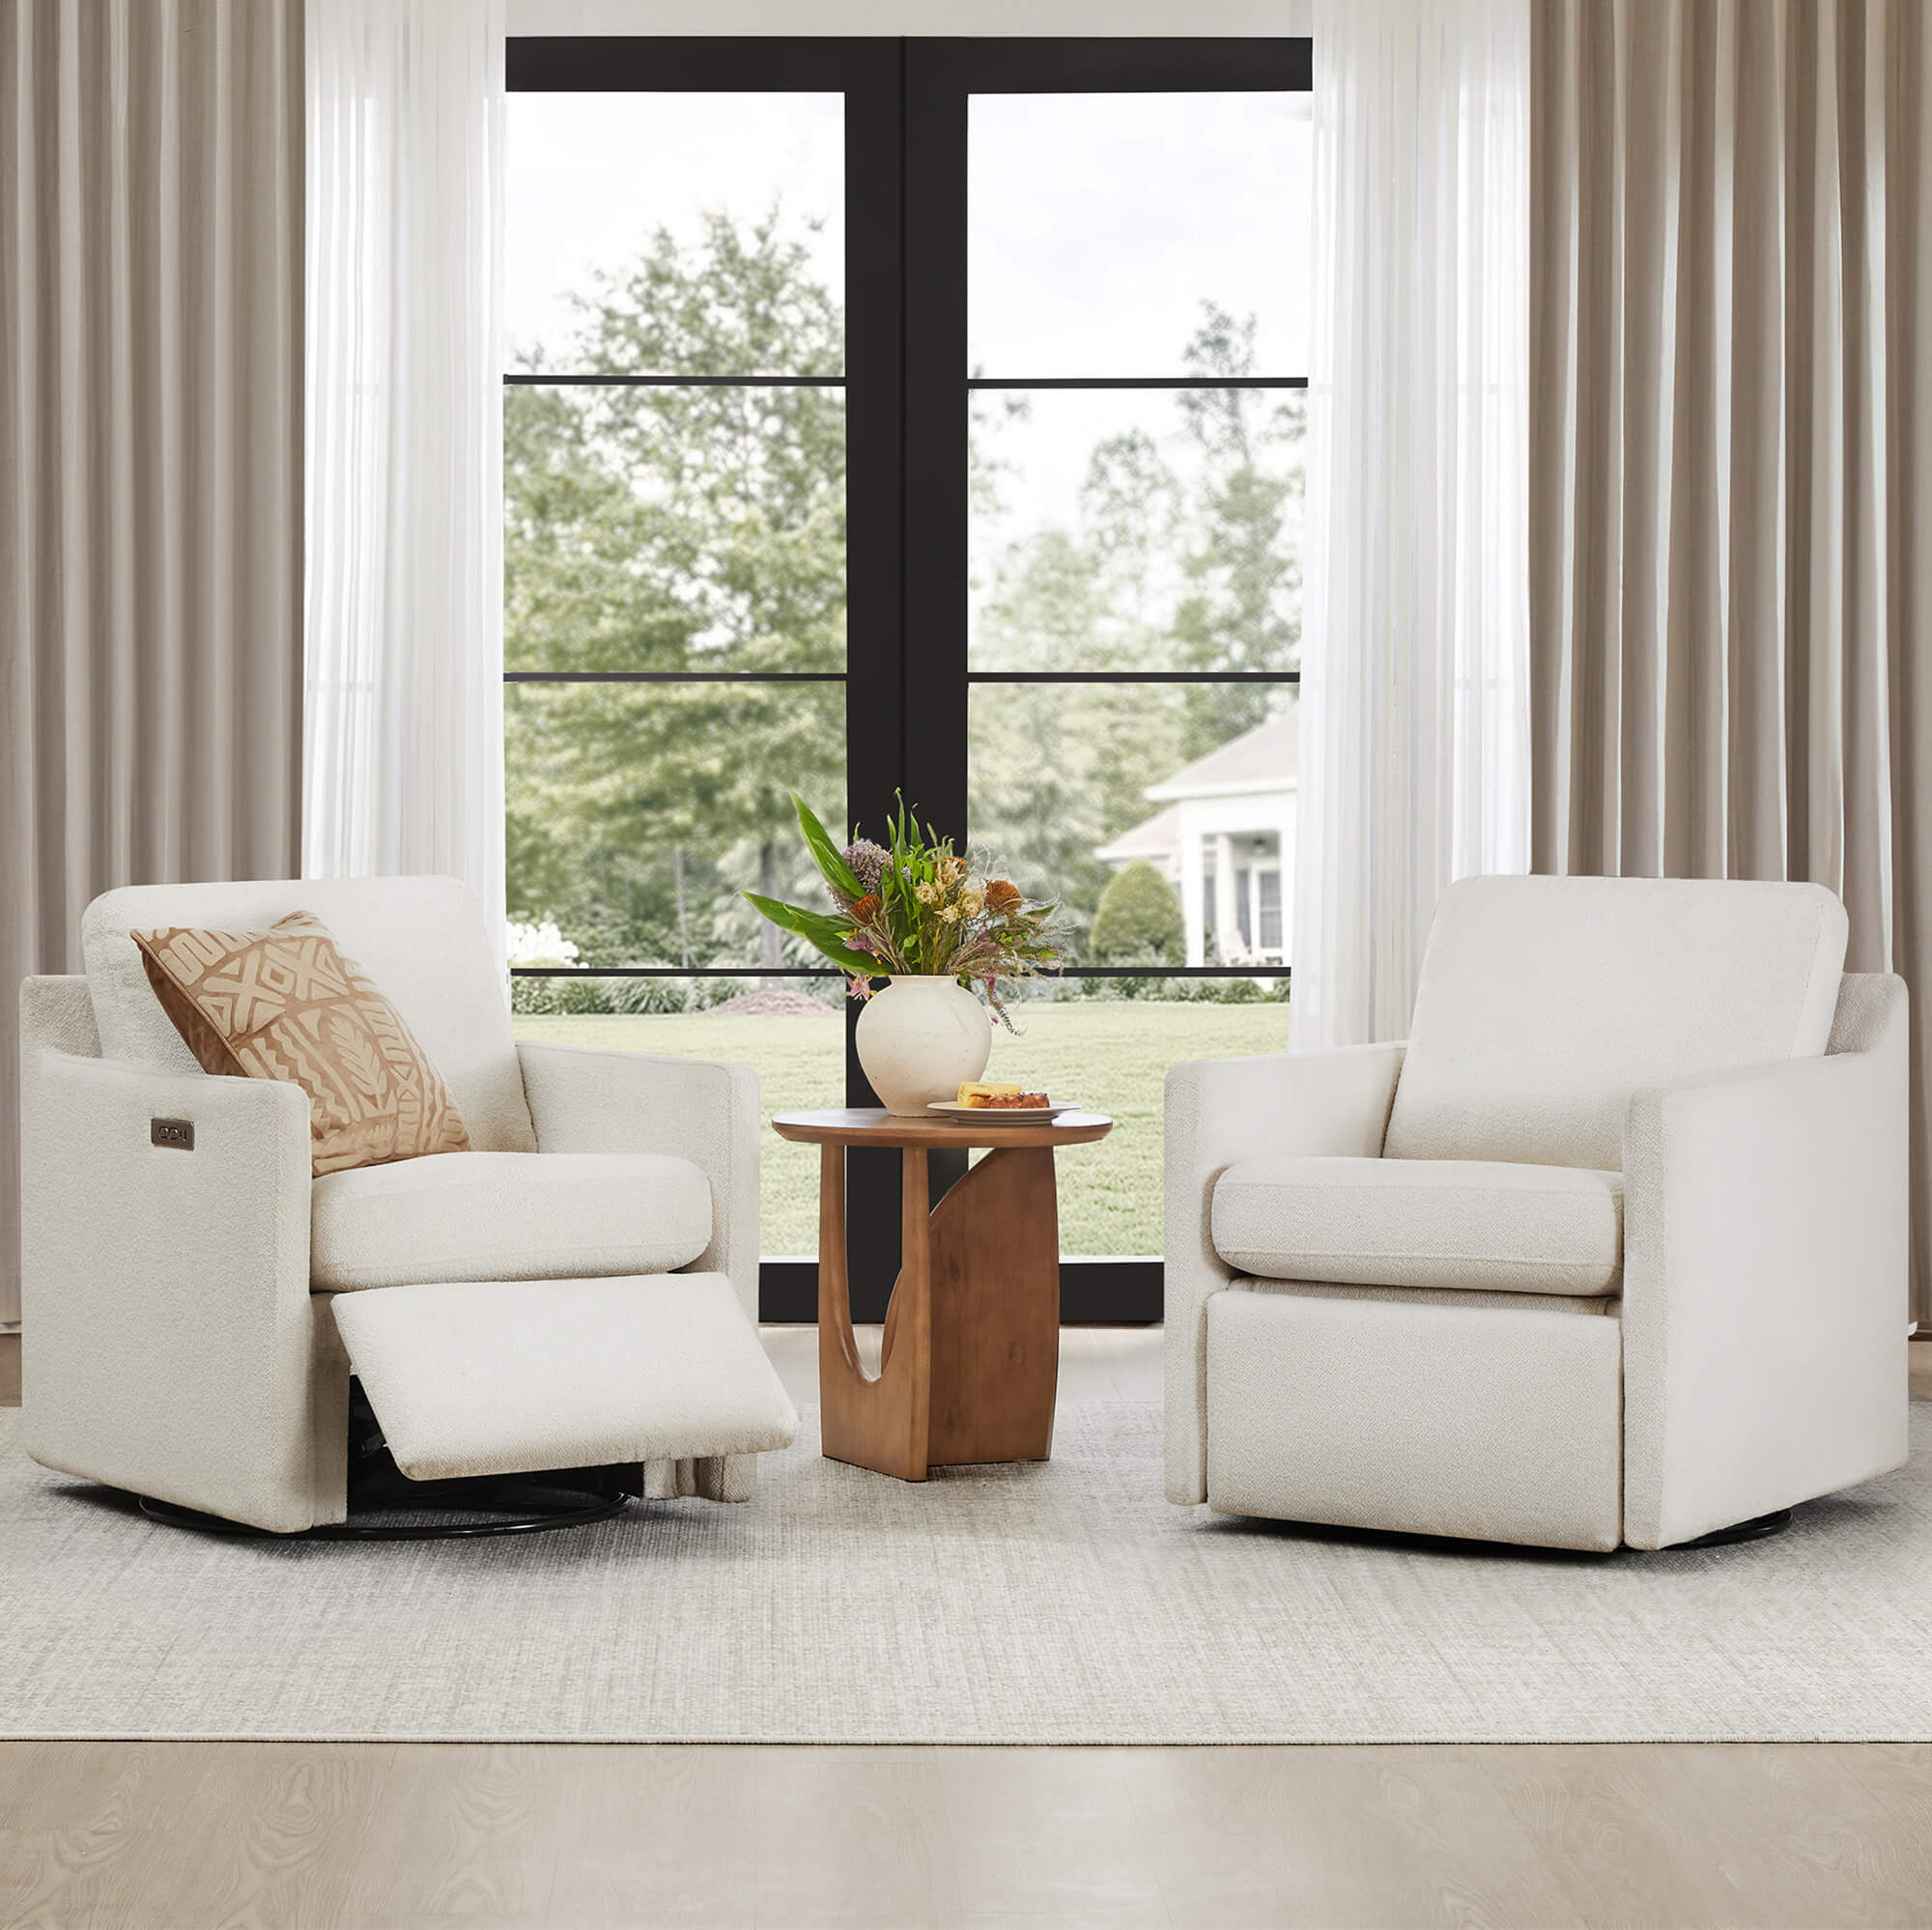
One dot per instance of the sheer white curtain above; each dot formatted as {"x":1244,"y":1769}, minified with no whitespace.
{"x":1414,"y":695}
{"x":402,"y":764}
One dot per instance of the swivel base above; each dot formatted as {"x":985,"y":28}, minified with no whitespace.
{"x":463,"y":1510}
{"x":1761,"y":1527}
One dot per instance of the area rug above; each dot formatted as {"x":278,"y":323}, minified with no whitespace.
{"x":1063,"y":1602}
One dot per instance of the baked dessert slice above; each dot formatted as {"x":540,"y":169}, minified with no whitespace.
{"x":979,"y":1092}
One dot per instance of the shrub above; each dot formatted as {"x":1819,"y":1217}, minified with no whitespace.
{"x":571,"y":997}
{"x":1139,"y":921}
{"x":647,"y":995}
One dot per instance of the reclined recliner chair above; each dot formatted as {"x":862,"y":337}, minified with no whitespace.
{"x":1612,"y":1250}
{"x":577,"y":1292}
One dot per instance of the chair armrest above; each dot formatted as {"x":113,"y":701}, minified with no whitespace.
{"x":585,"y":1100}
{"x":1218,"y":1111}
{"x":1766,"y":1229}
{"x":168,"y":1337}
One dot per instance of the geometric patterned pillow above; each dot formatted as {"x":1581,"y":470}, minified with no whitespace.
{"x":285,"y":1003}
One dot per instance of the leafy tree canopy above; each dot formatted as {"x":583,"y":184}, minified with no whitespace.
{"x":660,"y":528}
{"x":702,"y":528}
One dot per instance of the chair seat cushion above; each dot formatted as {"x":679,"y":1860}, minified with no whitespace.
{"x":1604,"y":1306}
{"x":1470,"y":1224}
{"x":511,"y":1376}
{"x":506,"y":1216}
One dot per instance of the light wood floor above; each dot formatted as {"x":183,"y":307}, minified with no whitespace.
{"x":199,"y":1835}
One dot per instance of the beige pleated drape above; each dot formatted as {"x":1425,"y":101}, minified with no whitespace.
{"x":151,"y":475}
{"x":1731,"y":459}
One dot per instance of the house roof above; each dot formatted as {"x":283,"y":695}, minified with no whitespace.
{"x":1154,"y":839}
{"x":1260,"y":762}
{"x":1265,"y":759}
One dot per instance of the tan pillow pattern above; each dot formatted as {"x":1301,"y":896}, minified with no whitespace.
{"x":285,"y":1003}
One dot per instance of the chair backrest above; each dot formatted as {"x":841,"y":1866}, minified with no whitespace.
{"x":421,"y":940}
{"x":1545,"y":1003}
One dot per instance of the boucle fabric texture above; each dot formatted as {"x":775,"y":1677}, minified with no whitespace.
{"x":214,"y":1375}
{"x":506,"y":1216}
{"x":1217,"y":1112}
{"x":1545,"y":1003}
{"x":1052,"y":1602}
{"x":503,"y":1376}
{"x":1492,"y":1423}
{"x":1486,"y":1297}
{"x":1465,"y":1224}
{"x":286,"y":1003}
{"x":421,"y":939}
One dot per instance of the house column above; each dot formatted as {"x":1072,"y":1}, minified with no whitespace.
{"x":1227,"y":919}
{"x":1193,"y":878}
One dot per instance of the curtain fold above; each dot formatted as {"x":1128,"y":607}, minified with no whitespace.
{"x":403,"y":726}
{"x":1414,"y":697}
{"x":1731,"y":452}
{"x":151,"y":233}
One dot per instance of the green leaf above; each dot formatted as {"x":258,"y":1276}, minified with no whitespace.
{"x":826,"y":855}
{"x":818,"y":929}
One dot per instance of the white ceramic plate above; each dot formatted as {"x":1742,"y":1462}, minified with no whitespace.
{"x":1011,"y":1115}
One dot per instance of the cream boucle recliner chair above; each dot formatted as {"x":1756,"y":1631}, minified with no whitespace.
{"x":577,"y":1292}
{"x":1613,"y":1249}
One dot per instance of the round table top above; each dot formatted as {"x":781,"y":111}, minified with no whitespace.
{"x":873,"y":1125}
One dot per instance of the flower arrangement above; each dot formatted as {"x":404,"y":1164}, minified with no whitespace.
{"x":913,"y":907}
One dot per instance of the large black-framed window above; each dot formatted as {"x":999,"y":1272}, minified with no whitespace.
{"x":910,"y":679}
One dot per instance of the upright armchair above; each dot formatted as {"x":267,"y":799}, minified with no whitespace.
{"x":1612,"y":1250}
{"x":578,"y":1291}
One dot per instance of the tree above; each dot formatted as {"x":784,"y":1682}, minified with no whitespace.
{"x":702,"y":529}
{"x":1184,"y":556}
{"x":665,"y":530}
{"x":1244,"y":610}
{"x":1139,"y":921}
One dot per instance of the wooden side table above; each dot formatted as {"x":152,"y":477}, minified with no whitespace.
{"x":972,"y":1345}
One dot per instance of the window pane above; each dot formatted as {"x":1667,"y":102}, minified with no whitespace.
{"x":1089,"y":1043}
{"x":1146,"y":529}
{"x":1137,"y":234}
{"x":673,"y":528}
{"x":794,"y":1039}
{"x":687,"y":233}
{"x":1161,"y":816}
{"x":638,"y":811}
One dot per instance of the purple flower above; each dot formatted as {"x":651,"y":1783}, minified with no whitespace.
{"x":867,"y":862}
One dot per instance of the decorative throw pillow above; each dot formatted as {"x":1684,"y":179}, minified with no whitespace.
{"x":285,"y":1003}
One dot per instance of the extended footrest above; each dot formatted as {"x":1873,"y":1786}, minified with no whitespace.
{"x":509,"y":1376}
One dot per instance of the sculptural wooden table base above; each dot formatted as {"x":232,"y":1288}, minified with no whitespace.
{"x":971,"y":1358}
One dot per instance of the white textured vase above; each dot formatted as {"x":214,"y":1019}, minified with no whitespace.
{"x":919,"y":1038}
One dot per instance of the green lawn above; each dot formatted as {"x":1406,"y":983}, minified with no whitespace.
{"x":1109,"y":1055}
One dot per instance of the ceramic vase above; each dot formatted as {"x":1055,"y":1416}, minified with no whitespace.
{"x":919,"y":1038}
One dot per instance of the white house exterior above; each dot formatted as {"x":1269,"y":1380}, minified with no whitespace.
{"x":1224,"y":839}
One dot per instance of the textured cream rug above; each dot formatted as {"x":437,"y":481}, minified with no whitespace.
{"x":1061,"y":1602}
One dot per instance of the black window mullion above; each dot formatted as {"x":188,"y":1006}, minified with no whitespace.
{"x":673,"y":972}
{"x":877,"y":754}
{"x":545,"y":378}
{"x":1133,"y":676}
{"x":673,"y":677}
{"x":1136,"y":381}
{"x":937,"y":431}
